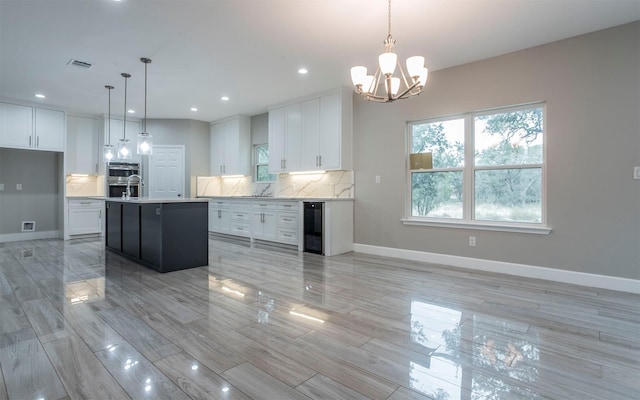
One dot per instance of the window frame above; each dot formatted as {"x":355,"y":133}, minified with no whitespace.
{"x":469,"y":169}
{"x":256,"y":164}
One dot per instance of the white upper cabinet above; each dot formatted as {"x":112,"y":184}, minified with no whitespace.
{"x":316,"y":137}
{"x":24,"y":127}
{"x":83,"y":145}
{"x":49,"y":130}
{"x":16,"y":125}
{"x":230,"y":146}
{"x":285,"y":138}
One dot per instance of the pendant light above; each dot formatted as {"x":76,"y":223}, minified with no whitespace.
{"x":145,"y":141}
{"x":124,"y":152}
{"x":108,"y":148}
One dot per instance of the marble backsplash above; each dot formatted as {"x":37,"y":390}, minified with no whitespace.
{"x":84,"y":185}
{"x":332,"y":184}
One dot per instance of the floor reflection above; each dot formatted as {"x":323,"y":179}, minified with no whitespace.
{"x":350,"y":326}
{"x":481,"y":350}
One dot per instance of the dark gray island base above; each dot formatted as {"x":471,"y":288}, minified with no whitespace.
{"x":164,"y":235}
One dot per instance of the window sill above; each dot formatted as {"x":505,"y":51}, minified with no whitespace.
{"x":484,"y":226}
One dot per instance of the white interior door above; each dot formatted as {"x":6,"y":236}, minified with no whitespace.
{"x":166,"y":172}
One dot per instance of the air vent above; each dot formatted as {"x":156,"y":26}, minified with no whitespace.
{"x":78,"y":63}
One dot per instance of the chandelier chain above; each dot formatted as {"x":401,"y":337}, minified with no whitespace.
{"x":389,"y":18}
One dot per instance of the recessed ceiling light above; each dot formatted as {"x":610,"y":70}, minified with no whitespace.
{"x":131,"y":111}
{"x":40,"y":95}
{"x":194,"y":109}
{"x":224,"y":98}
{"x":303,"y":71}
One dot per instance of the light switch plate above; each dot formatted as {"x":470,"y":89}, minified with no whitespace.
{"x":1,"y":186}
{"x":636,"y":172}
{"x":18,"y":186}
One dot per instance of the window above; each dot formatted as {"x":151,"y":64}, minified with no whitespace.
{"x":488,"y":170}
{"x":262,"y":164}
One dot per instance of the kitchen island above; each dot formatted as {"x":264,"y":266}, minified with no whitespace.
{"x":164,"y":235}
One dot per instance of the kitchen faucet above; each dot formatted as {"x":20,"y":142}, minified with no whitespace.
{"x":129,"y":184}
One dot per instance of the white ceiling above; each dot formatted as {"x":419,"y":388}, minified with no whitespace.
{"x":250,"y":50}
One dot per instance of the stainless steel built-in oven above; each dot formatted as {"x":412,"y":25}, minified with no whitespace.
{"x":117,"y":175}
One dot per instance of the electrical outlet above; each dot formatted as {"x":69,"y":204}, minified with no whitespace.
{"x":472,"y":241}
{"x":1,"y":186}
{"x":636,"y":172}
{"x":18,"y":186}
{"x":377,"y":178}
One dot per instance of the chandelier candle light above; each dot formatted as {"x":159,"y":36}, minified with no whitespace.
{"x":123,"y":149}
{"x":368,"y":85}
{"x":108,"y":148}
{"x":145,"y":144}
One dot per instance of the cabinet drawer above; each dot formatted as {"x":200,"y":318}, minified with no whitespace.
{"x":216,"y":204}
{"x":263,"y":205}
{"x":288,"y":220}
{"x":85,"y":203}
{"x":240,"y":229}
{"x":289,"y":236}
{"x":241,"y":216}
{"x":288,"y":206}
{"x":235,"y":204}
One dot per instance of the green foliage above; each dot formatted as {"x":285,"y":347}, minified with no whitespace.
{"x":517,"y":191}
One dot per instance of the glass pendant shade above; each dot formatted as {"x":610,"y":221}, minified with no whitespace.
{"x":423,"y":76}
{"x":358,"y":75}
{"x":388,"y":63}
{"x":368,"y":85}
{"x":145,"y":144}
{"x":124,"y":152}
{"x":108,"y":152}
{"x":415,"y":65}
{"x":395,"y":85}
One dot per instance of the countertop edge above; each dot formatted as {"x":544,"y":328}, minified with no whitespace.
{"x":318,"y":199}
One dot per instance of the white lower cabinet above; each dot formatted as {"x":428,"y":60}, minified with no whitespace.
{"x":219,"y":216}
{"x":282,"y":221}
{"x":241,"y":217}
{"x":85,"y":217}
{"x":288,"y":222}
{"x":263,"y":219}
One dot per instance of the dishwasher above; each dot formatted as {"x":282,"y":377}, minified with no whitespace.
{"x":313,"y":227}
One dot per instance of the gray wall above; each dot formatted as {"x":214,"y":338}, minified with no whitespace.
{"x":591,"y":85}
{"x":194,"y":135}
{"x":40,"y":174}
{"x":260,"y":129}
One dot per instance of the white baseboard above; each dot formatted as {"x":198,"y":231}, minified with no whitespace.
{"x":16,"y":237}
{"x":528,"y":271}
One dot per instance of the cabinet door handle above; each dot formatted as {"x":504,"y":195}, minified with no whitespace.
{"x":319,"y":161}
{"x":37,"y":141}
{"x":29,"y":141}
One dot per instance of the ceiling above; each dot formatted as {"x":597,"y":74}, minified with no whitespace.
{"x":250,"y":50}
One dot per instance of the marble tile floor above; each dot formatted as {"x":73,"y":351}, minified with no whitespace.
{"x":79,"y":322}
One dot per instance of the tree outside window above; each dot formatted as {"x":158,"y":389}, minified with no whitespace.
{"x":504,"y":169}
{"x":262,"y":164}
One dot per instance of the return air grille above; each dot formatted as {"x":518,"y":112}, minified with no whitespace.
{"x":78,"y":63}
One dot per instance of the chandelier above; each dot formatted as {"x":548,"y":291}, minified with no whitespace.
{"x":412,"y":82}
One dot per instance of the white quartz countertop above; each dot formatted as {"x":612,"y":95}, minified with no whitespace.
{"x":147,"y":200}
{"x":267,"y":198}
